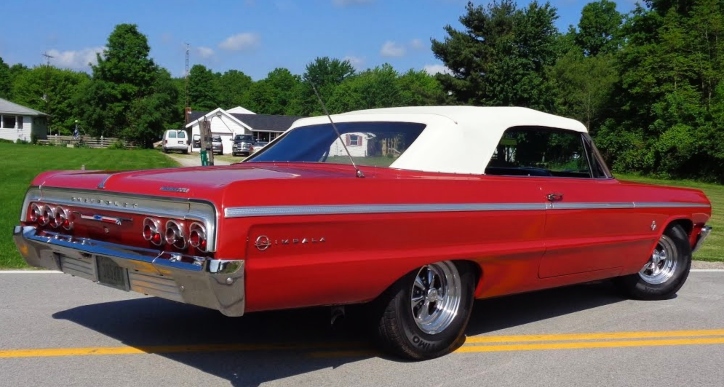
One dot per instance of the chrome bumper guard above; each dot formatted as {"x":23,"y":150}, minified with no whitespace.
{"x":211,"y":283}
{"x":702,"y":236}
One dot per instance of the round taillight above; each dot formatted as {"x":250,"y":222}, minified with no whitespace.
{"x":62,"y":218}
{"x":151,"y":231}
{"x":35,"y":213}
{"x":46,"y":215}
{"x":197,"y":236}
{"x":175,"y":235}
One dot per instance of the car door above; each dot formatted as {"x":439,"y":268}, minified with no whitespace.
{"x":591,"y":223}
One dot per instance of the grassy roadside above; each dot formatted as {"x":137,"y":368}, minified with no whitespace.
{"x":713,"y":247}
{"x":21,"y":163}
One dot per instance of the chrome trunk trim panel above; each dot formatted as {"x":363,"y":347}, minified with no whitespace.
{"x":186,"y":209}
{"x":212,"y":283}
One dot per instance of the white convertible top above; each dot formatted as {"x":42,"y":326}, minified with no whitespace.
{"x":456,"y":139}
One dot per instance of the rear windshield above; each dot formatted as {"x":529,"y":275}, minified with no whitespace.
{"x":369,"y":143}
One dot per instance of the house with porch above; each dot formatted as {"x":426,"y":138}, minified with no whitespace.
{"x":229,"y":123}
{"x":19,"y":122}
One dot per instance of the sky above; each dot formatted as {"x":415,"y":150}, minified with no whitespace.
{"x":253,"y":36}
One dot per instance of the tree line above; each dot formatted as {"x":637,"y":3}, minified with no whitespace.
{"x":647,"y":84}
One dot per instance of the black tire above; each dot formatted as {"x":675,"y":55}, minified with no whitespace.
{"x":397,"y":330}
{"x":665,"y":272}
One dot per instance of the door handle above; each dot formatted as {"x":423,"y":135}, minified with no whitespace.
{"x":555,"y":197}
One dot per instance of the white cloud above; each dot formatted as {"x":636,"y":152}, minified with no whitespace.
{"x":76,"y":60}
{"x":239,"y":42}
{"x":205,"y":52}
{"x":392,"y":49}
{"x":347,"y":3}
{"x":417,"y":44}
{"x":433,"y":69}
{"x":355,"y":61}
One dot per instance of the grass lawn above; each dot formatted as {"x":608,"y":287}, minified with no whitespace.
{"x":21,"y":163}
{"x":713,"y":247}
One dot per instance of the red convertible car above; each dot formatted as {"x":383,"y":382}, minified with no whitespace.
{"x":413,"y":211}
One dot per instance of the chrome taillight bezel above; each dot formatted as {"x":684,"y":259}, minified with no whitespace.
{"x":35,"y":213}
{"x":175,"y":234}
{"x":153,"y":226}
{"x":46,"y":215}
{"x":197,"y":237}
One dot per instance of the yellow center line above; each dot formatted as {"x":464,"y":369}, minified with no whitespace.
{"x":593,"y":336}
{"x":128,"y":350}
{"x":588,"y":344}
{"x":356,"y":349}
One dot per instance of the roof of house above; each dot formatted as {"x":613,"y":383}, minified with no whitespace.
{"x":7,"y":107}
{"x":271,"y":122}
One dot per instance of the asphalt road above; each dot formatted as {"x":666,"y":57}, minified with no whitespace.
{"x":61,"y":331}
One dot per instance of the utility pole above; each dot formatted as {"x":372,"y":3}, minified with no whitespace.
{"x":46,"y":97}
{"x":207,"y":149}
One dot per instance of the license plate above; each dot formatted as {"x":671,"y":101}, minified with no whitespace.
{"x":110,"y":274}
{"x":181,"y":142}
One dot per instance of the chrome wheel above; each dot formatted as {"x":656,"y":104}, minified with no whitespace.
{"x":662,"y":265}
{"x":435,"y":297}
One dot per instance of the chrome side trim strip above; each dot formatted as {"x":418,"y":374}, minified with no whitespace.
{"x":346,"y":209}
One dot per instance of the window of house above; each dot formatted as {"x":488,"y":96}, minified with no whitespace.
{"x":8,"y":122}
{"x":539,"y":151}
{"x":20,"y":122}
{"x":354,"y":140}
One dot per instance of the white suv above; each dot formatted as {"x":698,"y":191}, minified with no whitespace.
{"x":175,"y":139}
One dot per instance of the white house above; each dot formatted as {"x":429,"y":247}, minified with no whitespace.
{"x":229,"y":123}
{"x":18,"y":122}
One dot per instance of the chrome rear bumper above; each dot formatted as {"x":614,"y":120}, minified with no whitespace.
{"x":212,"y":283}
{"x":702,"y":236}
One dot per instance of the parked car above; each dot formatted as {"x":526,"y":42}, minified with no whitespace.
{"x":175,"y":139}
{"x":443,"y":205}
{"x":243,"y":145}
{"x":259,"y":145}
{"x":196,"y":141}
{"x":217,"y":146}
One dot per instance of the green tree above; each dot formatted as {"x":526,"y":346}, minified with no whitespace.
{"x":233,"y":88}
{"x":583,"y":86}
{"x":326,"y":74}
{"x":500,"y":57}
{"x":123,"y":87}
{"x":372,"y":88}
{"x":599,"y":30}
{"x":152,"y":111}
{"x":5,"y":80}
{"x":62,"y":89}
{"x":203,"y":94}
{"x":418,"y":88}
{"x":668,"y":93}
